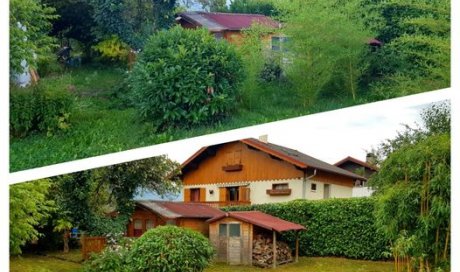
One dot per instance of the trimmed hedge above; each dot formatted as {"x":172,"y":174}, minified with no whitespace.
{"x":335,"y":227}
{"x":41,"y":108}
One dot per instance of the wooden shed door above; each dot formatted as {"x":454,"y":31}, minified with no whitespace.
{"x":230,"y":246}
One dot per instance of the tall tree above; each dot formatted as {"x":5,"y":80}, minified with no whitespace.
{"x":30,"y":23}
{"x":29,"y":208}
{"x":86,"y":198}
{"x":325,"y":37}
{"x":413,"y":192}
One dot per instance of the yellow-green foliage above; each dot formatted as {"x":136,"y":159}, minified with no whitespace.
{"x":113,"y":49}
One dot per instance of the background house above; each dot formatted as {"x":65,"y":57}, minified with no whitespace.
{"x":364,"y":168}
{"x":251,"y":171}
{"x":149,"y":214}
{"x":226,"y":26}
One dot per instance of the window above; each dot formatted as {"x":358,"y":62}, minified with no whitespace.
{"x":234,"y":230}
{"x":222,"y":229}
{"x":313,"y":187}
{"x":230,"y":230}
{"x":149,"y":224}
{"x":195,"y":195}
{"x":138,"y":228}
{"x":218,"y":35}
{"x":279,"y":43}
{"x":232,"y":193}
{"x":280,"y":186}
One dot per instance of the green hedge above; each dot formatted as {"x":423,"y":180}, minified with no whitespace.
{"x":40,"y":108}
{"x":335,"y":227}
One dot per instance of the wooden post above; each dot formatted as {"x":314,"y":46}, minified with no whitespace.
{"x":274,"y":249}
{"x":297,"y":246}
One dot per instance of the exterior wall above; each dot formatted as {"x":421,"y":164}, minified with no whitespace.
{"x":144,"y":215}
{"x":362,"y":192}
{"x":256,"y":165}
{"x":195,"y":224}
{"x":258,"y":190}
{"x":221,"y":246}
{"x":356,"y":168}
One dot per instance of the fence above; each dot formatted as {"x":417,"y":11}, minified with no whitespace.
{"x":91,"y":245}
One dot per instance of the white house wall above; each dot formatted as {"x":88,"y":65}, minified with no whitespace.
{"x":258,"y":194}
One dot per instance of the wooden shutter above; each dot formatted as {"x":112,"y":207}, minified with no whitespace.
{"x":244,"y":193}
{"x":186,"y":195}
{"x":222,"y":194}
{"x":202,"y":194}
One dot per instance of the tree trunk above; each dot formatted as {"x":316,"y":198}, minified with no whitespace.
{"x":66,"y":236}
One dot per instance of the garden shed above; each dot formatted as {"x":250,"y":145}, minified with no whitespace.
{"x":250,"y":238}
{"x":149,"y":214}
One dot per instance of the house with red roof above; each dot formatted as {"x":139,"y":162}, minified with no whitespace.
{"x":251,"y":171}
{"x":226,"y":26}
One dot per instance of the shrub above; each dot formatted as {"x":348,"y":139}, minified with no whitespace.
{"x":335,"y":227}
{"x":40,"y":108}
{"x":170,"y":248}
{"x":185,"y":77}
{"x":109,"y":260}
{"x":112,"y":49}
{"x":271,"y":71}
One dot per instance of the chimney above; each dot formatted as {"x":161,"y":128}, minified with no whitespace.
{"x":263,"y":138}
{"x":371,"y":159}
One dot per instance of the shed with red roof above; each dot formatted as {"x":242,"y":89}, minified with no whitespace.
{"x":149,"y":214}
{"x":233,"y":235}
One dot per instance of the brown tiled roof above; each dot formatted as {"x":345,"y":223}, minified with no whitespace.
{"x":174,"y":210}
{"x":298,"y":158}
{"x":217,"y":21}
{"x":292,"y":156}
{"x":359,"y":162}
{"x":262,"y":220}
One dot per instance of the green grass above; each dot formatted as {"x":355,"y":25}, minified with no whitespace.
{"x":53,"y":262}
{"x":101,"y":124}
{"x":56,"y":262}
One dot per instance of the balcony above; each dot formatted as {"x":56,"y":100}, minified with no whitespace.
{"x":219,"y":204}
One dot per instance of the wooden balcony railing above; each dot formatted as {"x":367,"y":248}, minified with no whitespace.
{"x":218,"y":204}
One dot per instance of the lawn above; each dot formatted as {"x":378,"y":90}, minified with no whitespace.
{"x":102,"y":122}
{"x":55,"y":262}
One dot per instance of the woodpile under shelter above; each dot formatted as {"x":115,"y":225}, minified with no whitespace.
{"x":149,"y":214}
{"x":250,"y":238}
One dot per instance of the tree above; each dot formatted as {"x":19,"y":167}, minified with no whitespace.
{"x":254,"y":7}
{"x":214,"y":5}
{"x":86,"y":198}
{"x":413,"y":195}
{"x":131,"y":21}
{"x":416,"y":55}
{"x":325,"y":38}
{"x":75,"y":20}
{"x":30,"y":22}
{"x":29,"y":208}
{"x":185,"y":77}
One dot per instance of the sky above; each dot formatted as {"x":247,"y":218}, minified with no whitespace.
{"x":335,"y":135}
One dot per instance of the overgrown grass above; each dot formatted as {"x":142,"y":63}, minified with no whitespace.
{"x":102,"y":123}
{"x":50,"y":263}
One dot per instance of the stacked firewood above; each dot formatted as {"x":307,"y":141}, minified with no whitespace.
{"x":262,"y":252}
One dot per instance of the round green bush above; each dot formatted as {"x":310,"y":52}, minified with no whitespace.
{"x":185,"y":77}
{"x":170,"y":249}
